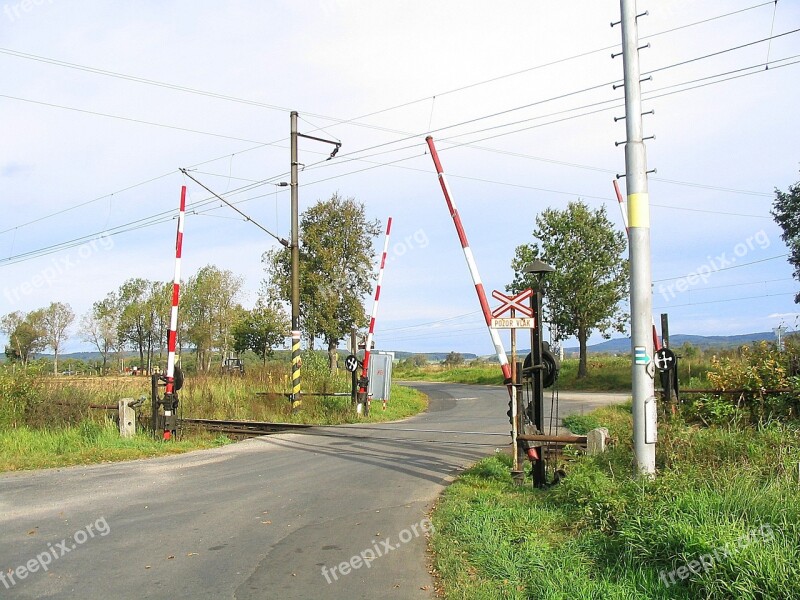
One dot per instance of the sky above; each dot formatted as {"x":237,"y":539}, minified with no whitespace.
{"x":101,"y":104}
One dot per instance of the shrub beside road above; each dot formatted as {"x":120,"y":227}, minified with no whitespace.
{"x":720,"y":520}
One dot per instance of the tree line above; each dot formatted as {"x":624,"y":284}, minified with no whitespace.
{"x":336,"y":273}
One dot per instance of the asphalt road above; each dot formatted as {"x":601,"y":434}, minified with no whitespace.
{"x":257,"y":519}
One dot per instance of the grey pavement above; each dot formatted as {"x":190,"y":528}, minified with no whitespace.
{"x":269,"y":517}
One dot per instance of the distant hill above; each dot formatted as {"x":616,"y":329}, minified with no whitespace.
{"x":623,"y":345}
{"x":399,"y":355}
{"x":432,"y":356}
{"x":615,"y":346}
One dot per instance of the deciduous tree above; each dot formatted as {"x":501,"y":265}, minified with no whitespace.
{"x":336,"y":270}
{"x":591,"y":274}
{"x":453,"y":359}
{"x":786,"y":211}
{"x":25,"y":334}
{"x":210,"y":309}
{"x":56,"y":320}
{"x":99,"y":326}
{"x":260,"y":330}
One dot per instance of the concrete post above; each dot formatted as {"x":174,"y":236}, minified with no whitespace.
{"x":596,"y":440}
{"x":127,"y":418}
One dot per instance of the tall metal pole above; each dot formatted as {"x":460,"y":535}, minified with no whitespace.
{"x":295,"y":268}
{"x":539,"y":471}
{"x":644,"y":401}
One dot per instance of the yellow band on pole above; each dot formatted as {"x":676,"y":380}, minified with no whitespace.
{"x":638,"y":210}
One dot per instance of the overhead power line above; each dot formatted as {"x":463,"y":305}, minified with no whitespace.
{"x":409,"y":135}
{"x":246,"y":217}
{"x":137,"y":121}
{"x":737,"y":266}
{"x":336,"y":120}
{"x":78,"y":241}
{"x":725,"y":300}
{"x":49,"y":249}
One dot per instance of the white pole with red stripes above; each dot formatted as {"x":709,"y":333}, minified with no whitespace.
{"x":173,"y":323}
{"x":473,"y":268}
{"x":371,"y":333}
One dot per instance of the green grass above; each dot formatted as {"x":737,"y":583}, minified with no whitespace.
{"x":486,"y":374}
{"x":89,"y":442}
{"x":606,"y":373}
{"x":603,"y":533}
{"x":50,"y":422}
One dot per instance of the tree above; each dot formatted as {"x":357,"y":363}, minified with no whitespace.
{"x":453,"y":359}
{"x":56,"y":320}
{"x":590,"y":278}
{"x":134,"y":328}
{"x":416,"y":360}
{"x":25,"y":335}
{"x":260,"y":330}
{"x":99,"y":326}
{"x":158,"y":307}
{"x":210,"y":309}
{"x":336,"y":270}
{"x":786,"y":211}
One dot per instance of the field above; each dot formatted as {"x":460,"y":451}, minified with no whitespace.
{"x":47,"y":421}
{"x":606,"y":373}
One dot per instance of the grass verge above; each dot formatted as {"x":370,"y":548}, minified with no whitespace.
{"x":95,"y":441}
{"x":90,"y":442}
{"x":722,"y":520}
{"x":606,"y":373}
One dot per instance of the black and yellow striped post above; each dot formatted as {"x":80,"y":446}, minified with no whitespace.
{"x":296,"y":363}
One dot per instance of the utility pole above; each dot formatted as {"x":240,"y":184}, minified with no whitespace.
{"x":644,"y":401}
{"x":295,"y":245}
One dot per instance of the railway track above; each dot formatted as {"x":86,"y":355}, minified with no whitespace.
{"x":246,"y":428}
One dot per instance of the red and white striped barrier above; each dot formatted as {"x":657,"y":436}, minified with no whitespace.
{"x":371,"y":333}
{"x":473,"y":268}
{"x":173,"y":319}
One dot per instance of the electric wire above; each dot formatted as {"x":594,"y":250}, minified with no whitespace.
{"x":246,"y":217}
{"x":546,"y":100}
{"x":345,"y":157}
{"x":17,"y":257}
{"x":725,"y":300}
{"x":747,"y":264}
{"x":354,"y":121}
{"x":137,"y":121}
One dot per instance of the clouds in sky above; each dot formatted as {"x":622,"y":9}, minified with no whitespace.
{"x":380,"y":76}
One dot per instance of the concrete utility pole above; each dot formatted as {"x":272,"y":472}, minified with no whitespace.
{"x":295,"y":245}
{"x":644,"y":401}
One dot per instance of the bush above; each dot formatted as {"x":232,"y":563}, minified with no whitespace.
{"x":19,"y":394}
{"x":581,"y":424}
{"x":754,"y":369}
